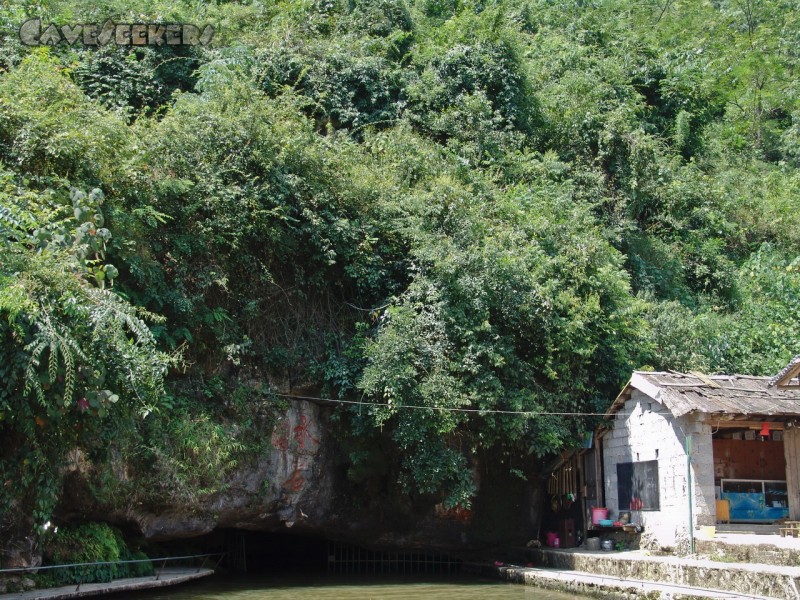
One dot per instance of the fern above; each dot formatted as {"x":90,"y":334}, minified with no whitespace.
{"x":109,"y":307}
{"x":32,"y":382}
{"x":53,"y":366}
{"x":60,"y":342}
{"x":57,"y":301}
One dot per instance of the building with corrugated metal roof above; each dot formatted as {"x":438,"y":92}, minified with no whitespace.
{"x":687,"y":450}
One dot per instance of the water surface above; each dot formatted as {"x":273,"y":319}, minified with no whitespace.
{"x":327,"y":587}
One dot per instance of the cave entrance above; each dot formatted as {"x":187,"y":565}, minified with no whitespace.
{"x":255,"y":551}
{"x":266,"y":552}
{"x":347,"y":559}
{"x":282,"y":553}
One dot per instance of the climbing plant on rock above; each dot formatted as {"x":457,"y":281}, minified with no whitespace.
{"x":74,"y":353}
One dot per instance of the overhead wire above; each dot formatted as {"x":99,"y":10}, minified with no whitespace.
{"x":527,"y":413}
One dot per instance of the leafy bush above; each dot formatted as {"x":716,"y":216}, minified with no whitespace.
{"x":137,"y":82}
{"x":137,"y":569}
{"x":89,"y":542}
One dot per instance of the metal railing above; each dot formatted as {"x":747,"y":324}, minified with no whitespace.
{"x":162,"y":560}
{"x":347,"y":559}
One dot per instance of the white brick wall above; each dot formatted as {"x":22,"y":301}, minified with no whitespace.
{"x":645,"y":430}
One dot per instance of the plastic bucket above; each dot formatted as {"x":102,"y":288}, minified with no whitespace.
{"x":599,"y":514}
{"x":552,"y":539}
{"x":708,"y":531}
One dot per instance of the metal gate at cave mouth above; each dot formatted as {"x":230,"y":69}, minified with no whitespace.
{"x":347,"y":559}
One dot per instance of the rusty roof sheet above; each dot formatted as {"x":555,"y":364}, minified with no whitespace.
{"x":682,"y":393}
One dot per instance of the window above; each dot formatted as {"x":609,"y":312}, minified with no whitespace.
{"x":637,"y":485}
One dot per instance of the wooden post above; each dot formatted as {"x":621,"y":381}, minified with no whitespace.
{"x":791,"y":450}
{"x":599,"y":480}
{"x":580,"y":491}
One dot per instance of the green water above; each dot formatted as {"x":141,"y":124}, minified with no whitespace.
{"x":318,"y":587}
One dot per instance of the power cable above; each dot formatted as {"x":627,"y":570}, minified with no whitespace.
{"x":526,"y":413}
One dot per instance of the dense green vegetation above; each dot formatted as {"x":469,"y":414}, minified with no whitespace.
{"x":499,"y":205}
{"x":90,"y":543}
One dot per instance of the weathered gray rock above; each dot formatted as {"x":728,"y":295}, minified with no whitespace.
{"x":290,"y":486}
{"x":301,"y":486}
{"x":21,"y":552}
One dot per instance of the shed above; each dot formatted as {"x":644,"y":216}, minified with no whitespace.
{"x":683,"y":445}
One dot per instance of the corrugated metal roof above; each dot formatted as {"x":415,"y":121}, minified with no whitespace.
{"x":682,"y":393}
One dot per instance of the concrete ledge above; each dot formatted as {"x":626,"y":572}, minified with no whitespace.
{"x":167,"y":576}
{"x":605,"y":586}
{"x":785,"y":551}
{"x":748,"y":580}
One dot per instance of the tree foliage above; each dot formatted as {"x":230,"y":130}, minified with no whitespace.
{"x":73,"y":350}
{"x":445,"y":209}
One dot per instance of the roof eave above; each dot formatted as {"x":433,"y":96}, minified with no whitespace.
{"x":787,"y":373}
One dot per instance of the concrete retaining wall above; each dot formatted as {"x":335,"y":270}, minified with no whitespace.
{"x":752,"y":580}
{"x":607,"y":587}
{"x":767,"y":554}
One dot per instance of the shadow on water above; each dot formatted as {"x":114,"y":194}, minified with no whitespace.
{"x":324,"y":587}
{"x":289,"y":567}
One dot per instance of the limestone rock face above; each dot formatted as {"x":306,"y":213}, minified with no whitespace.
{"x":292,"y":485}
{"x":300,"y":485}
{"x":21,"y":552}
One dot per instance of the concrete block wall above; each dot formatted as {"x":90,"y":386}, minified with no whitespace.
{"x":645,"y":430}
{"x":705,"y":510}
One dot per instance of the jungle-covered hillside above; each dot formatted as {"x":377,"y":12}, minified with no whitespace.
{"x":474,"y":204}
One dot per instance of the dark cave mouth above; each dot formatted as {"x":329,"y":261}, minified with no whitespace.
{"x":260,"y":552}
{"x":244,"y":551}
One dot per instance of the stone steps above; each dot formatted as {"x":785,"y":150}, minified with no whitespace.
{"x":749,"y":579}
{"x":784,"y":551}
{"x":607,"y":586}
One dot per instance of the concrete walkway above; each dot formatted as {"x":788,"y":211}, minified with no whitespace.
{"x":166,"y":576}
{"x":750,"y":533}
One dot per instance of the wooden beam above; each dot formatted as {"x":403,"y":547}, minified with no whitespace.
{"x":582,"y":494}
{"x":787,"y":377}
{"x":599,"y":478}
{"x":704,"y":378}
